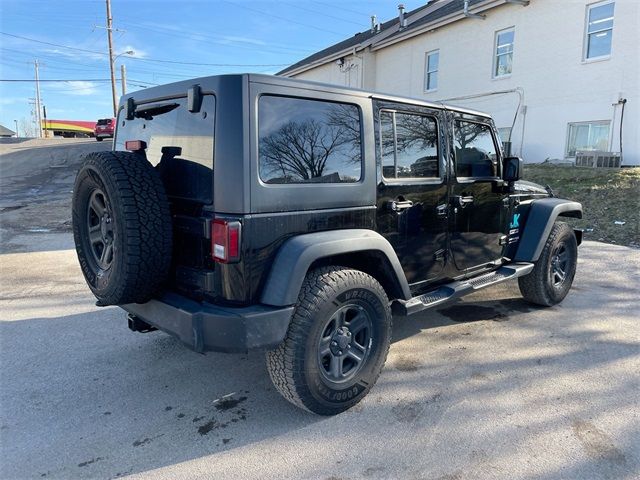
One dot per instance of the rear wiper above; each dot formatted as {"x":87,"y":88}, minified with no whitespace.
{"x":149,"y":112}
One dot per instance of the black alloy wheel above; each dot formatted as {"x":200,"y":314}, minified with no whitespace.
{"x":101,"y":228}
{"x":345,"y":343}
{"x":558,"y":265}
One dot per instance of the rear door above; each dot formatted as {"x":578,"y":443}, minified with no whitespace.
{"x":412,"y":189}
{"x":180,"y":145}
{"x":478,"y":199}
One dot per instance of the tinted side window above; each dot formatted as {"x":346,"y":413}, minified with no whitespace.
{"x":409,"y":145}
{"x":475,"y":150}
{"x":308,"y":141}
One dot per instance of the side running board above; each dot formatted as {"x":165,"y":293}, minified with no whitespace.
{"x":457,"y":289}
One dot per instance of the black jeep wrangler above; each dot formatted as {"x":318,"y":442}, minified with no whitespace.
{"x":249,"y":211}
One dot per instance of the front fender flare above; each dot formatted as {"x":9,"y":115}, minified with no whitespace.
{"x":542,"y":215}
{"x":297,"y":254}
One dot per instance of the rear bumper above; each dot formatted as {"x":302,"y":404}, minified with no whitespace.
{"x":103,"y":134}
{"x":207,"y":327}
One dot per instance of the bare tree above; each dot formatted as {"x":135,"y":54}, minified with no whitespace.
{"x":26,"y":128}
{"x":412,"y":131}
{"x":300,"y":151}
{"x":466,"y":133}
{"x":416,"y":131}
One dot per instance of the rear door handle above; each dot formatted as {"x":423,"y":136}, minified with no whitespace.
{"x":463,"y":201}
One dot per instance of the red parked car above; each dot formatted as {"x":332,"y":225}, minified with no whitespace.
{"x":104,"y":128}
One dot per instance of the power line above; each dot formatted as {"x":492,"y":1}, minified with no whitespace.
{"x":53,"y":44}
{"x":211,"y":64}
{"x":308,"y":25}
{"x":341,"y":7}
{"x":227,"y":41}
{"x":150,"y":59}
{"x":56,"y":80}
{"x":317,"y":12}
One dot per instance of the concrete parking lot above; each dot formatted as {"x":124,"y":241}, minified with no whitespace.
{"x":488,"y":387}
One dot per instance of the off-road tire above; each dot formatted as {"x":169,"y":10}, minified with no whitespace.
{"x":295,"y":367}
{"x":539,"y":287}
{"x":137,"y":210}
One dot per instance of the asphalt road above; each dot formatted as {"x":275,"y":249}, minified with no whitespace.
{"x":36,"y":178}
{"x":488,"y":387}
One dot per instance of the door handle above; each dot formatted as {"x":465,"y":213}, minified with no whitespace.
{"x":463,"y":201}
{"x":399,"y":205}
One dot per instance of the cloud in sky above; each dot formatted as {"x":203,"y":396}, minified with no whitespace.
{"x":72,"y":54}
{"x":80,"y":87}
{"x":12,"y":100}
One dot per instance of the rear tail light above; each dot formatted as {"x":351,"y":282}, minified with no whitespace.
{"x":135,"y":145}
{"x":225,"y":241}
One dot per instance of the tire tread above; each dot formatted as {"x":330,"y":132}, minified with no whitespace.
{"x":144,"y":208}
{"x":318,"y":287}
{"x":533,"y":286}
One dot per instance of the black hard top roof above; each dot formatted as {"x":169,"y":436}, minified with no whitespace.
{"x":209,"y":84}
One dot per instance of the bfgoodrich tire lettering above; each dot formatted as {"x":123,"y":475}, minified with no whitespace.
{"x":552,"y":277}
{"x":332,"y":302}
{"x":119,"y":202}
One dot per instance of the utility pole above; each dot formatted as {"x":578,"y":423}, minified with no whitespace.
{"x":38,"y":114}
{"x":111,"y":66}
{"x":34,"y":119}
{"x":123,"y":77}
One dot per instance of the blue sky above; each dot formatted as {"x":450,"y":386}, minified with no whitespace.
{"x":250,"y":36}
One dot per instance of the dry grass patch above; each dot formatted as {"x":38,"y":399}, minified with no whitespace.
{"x":607,"y":196}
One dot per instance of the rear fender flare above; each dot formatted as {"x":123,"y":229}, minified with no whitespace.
{"x":542,"y":215}
{"x":297,"y":254}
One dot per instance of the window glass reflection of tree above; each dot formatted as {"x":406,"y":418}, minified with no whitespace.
{"x":308,"y":141}
{"x":415,"y":146}
{"x":475,"y":151}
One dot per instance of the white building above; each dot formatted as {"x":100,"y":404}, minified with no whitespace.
{"x":557,"y":71}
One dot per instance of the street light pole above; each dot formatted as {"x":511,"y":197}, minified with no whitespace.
{"x":16,"y":122}
{"x":111,"y":59}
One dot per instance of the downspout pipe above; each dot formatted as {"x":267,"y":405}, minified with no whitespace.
{"x":471,"y":15}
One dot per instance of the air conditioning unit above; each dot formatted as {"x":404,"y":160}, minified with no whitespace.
{"x":597,"y":159}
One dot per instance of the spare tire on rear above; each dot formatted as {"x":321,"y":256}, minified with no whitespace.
{"x":121,"y":227}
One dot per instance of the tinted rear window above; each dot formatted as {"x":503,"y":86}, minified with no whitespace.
{"x":104,"y":121}
{"x":179,"y":143}
{"x":308,"y":141}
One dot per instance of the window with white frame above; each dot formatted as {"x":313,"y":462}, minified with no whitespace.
{"x":599,"y":30}
{"x":431,"y":70}
{"x":588,"y":136}
{"x":503,"y":61}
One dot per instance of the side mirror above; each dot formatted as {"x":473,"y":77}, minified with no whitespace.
{"x":512,"y":169}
